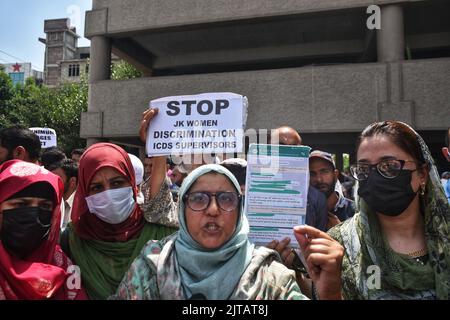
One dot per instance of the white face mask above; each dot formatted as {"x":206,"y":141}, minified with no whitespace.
{"x":112,"y":206}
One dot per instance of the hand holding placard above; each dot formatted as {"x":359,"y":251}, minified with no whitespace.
{"x":147,"y":116}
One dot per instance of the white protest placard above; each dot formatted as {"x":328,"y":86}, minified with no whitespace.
{"x":276,"y":191}
{"x":47,"y":136}
{"x":203,"y":123}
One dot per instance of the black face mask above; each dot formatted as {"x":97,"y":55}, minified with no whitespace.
{"x":387,"y":196}
{"x":24,"y":229}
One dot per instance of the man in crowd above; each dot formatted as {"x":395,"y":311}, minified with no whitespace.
{"x":67,"y":170}
{"x":75,"y":155}
{"x":323,"y":175}
{"x":52,"y":155}
{"x":19,"y":143}
{"x":238,"y":167}
{"x":176,"y":176}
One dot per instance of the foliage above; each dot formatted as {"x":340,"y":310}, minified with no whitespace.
{"x":123,"y":70}
{"x":32,"y":105}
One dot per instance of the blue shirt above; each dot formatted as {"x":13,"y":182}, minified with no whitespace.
{"x":345,"y":208}
{"x":316,"y":209}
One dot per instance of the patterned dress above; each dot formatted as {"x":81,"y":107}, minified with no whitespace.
{"x":154,"y":275}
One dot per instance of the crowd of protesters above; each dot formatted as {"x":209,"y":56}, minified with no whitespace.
{"x":102,"y":224}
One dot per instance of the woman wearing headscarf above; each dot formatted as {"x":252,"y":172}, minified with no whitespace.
{"x":397,"y":246}
{"x":210,"y":257}
{"x":32,"y":265}
{"x":108,"y":229}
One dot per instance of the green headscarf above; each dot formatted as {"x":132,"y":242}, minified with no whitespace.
{"x":211,"y":273}
{"x":401,"y":276}
{"x":103,"y":264}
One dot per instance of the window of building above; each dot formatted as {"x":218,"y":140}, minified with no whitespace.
{"x":55,"y":36}
{"x":74,"y":70}
{"x":17,"y":77}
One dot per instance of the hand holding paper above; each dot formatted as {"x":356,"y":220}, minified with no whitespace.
{"x":147,"y":116}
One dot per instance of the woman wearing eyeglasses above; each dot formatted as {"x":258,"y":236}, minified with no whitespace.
{"x":210,"y":257}
{"x":397,"y":246}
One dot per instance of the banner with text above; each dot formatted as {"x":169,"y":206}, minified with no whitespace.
{"x":203,"y":123}
{"x":47,"y":136}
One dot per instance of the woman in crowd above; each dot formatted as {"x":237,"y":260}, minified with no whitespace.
{"x":108,"y":229}
{"x":32,"y":265}
{"x":397,"y":246}
{"x":210,"y":257}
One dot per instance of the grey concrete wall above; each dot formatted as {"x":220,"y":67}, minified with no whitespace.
{"x":132,"y":15}
{"x":427,"y":83}
{"x":342,"y":98}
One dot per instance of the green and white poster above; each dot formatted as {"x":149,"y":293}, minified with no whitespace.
{"x":276,"y":191}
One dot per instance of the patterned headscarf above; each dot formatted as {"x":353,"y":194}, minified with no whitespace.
{"x":401,"y":276}
{"x":202,"y":269}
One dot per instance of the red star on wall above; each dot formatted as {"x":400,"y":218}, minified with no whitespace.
{"x":16,"y":67}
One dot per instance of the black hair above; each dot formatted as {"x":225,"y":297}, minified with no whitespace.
{"x":13,"y":137}
{"x":238,"y":171}
{"x":79,"y":151}
{"x":69,"y":167}
{"x":400,"y":134}
{"x":52,"y":155}
{"x":41,"y":189}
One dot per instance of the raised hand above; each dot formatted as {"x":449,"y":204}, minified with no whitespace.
{"x":147,"y":116}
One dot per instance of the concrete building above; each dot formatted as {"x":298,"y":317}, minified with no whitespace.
{"x":310,"y":64}
{"x":64,"y":61}
{"x":19,"y":72}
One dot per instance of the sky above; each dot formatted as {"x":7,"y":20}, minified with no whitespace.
{"x":22,"y":23}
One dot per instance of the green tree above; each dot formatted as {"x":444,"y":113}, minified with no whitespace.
{"x":33,"y":105}
{"x":6,"y":93}
{"x":68,"y":102}
{"x":30,"y":104}
{"x":123,"y":71}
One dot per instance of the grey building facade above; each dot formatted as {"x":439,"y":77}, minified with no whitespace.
{"x":64,"y":60}
{"x":310,"y":64}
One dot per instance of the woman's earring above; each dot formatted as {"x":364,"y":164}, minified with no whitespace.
{"x":422,"y":190}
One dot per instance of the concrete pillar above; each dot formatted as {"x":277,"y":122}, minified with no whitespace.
{"x":352,"y":158}
{"x":100,"y":67}
{"x":391,"y":36}
{"x":100,"y":61}
{"x":339,"y":161}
